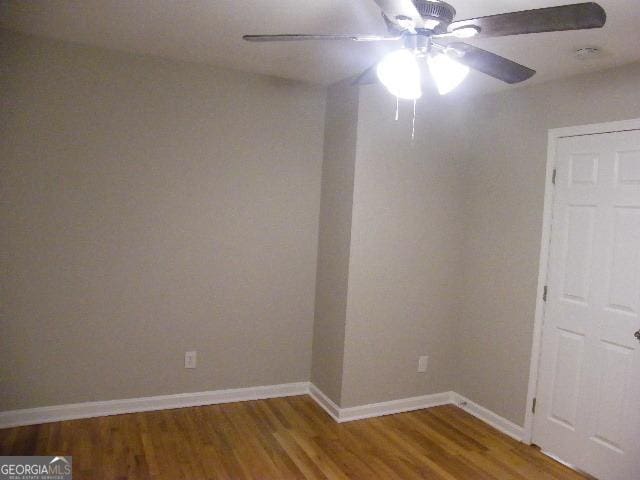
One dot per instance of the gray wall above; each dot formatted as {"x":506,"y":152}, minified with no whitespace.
{"x":151,"y":207}
{"x":404,"y":252}
{"x":445,"y":237}
{"x":341,"y":124}
{"x":503,"y":193}
{"x":390,"y":230}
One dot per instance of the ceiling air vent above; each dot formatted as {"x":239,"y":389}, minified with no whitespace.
{"x":588,"y":53}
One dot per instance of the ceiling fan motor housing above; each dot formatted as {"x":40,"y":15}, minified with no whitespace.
{"x":437,"y":15}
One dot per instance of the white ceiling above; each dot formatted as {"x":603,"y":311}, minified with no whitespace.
{"x":210,"y":31}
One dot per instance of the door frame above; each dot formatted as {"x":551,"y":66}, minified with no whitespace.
{"x":554,"y":135}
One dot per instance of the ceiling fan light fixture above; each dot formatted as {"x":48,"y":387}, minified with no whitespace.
{"x":446,"y":72}
{"x":399,"y":72}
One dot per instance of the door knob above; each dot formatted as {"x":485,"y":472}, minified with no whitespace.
{"x":637,"y":335}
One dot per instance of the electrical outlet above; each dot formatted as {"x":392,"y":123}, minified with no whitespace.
{"x":190,"y":359}
{"x":423,"y":362}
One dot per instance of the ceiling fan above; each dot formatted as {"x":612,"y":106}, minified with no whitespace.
{"x":428,"y":30}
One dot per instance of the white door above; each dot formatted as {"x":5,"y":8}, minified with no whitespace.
{"x":588,"y":395}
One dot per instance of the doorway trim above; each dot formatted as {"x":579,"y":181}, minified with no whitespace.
{"x":547,"y":222}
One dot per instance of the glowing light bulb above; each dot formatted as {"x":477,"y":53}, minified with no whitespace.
{"x":400,"y":73}
{"x":446,"y":72}
{"x":466,"y":32}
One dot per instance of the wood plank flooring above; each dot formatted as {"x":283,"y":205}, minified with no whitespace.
{"x":284,"y":438}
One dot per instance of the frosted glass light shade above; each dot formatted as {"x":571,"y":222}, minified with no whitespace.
{"x":400,"y":73}
{"x":446,"y":72}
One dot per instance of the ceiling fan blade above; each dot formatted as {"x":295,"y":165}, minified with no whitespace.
{"x":568,"y":17}
{"x":298,"y":37}
{"x":490,"y":64}
{"x":396,"y":10}
{"x":368,"y":77}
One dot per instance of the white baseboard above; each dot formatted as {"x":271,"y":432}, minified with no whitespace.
{"x":377,"y":409}
{"x":325,"y":402}
{"x":496,"y":421}
{"x":14,"y":418}
{"x":394,"y":406}
{"x":415,"y":403}
{"x":31,"y":416}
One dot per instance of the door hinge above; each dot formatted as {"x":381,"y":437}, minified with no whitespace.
{"x":533,"y":406}
{"x":544,"y":293}
{"x":553,"y":178}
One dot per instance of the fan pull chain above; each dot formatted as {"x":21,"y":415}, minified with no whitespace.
{"x":397,"y":107}
{"x":413,"y":121}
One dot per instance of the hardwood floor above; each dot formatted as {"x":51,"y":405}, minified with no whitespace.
{"x":281,"y":439}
